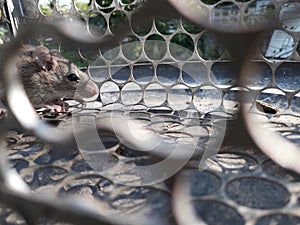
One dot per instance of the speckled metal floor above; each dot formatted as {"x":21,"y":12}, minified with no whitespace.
{"x":240,"y":185}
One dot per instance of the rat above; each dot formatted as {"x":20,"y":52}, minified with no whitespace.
{"x":48,"y":77}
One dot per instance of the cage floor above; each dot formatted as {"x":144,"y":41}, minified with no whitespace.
{"x":240,"y":185}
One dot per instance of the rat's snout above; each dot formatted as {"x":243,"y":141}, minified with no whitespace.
{"x":92,"y":88}
{"x":89,"y":91}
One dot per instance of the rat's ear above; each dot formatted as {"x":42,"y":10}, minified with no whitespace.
{"x":46,"y":64}
{"x":40,"y":50}
{"x":43,"y":58}
{"x":55,"y":52}
{"x":50,"y":64}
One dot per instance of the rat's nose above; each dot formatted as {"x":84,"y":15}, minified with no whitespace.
{"x":95,"y":91}
{"x":92,"y":88}
{"x":89,"y":92}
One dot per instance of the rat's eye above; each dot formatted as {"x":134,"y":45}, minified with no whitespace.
{"x":73,"y":77}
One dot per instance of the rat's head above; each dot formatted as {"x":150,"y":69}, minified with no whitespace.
{"x":73,"y":82}
{"x":65,"y":78}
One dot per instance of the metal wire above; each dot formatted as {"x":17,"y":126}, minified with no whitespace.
{"x":194,"y":109}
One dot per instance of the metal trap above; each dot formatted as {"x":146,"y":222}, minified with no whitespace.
{"x":197,"y":119}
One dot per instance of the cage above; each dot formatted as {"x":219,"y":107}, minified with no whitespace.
{"x":193,"y":118}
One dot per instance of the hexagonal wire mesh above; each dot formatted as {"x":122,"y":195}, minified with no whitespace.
{"x":179,"y":80}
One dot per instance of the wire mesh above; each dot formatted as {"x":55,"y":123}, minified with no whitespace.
{"x":179,"y":75}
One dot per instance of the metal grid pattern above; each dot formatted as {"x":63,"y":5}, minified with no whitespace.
{"x":134,"y":80}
